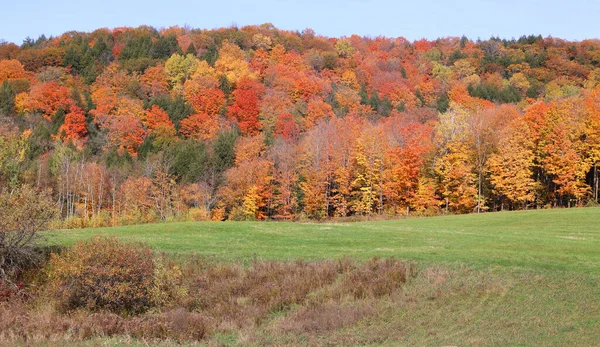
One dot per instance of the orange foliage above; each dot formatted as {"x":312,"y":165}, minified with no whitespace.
{"x":204,"y":95}
{"x":200,"y":126}
{"x":48,"y":98}
{"x":157,"y":117}
{"x":155,"y":81}
{"x":286,"y":127}
{"x":11,"y":70}
{"x":74,"y":127}
{"x":317,"y":111}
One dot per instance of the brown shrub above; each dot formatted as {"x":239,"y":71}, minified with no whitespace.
{"x":19,"y":323}
{"x":308,"y":297}
{"x":103,"y":274}
{"x":240,"y":296}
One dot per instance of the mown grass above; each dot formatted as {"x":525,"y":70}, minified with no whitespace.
{"x":514,"y":279}
{"x":563,"y":239}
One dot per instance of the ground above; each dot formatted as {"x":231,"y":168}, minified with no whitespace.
{"x":509,"y":278}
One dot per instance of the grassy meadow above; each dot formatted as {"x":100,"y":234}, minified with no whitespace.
{"x":562,"y":240}
{"x":512,"y":278}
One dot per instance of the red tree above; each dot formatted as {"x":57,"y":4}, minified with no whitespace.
{"x":246,"y":105}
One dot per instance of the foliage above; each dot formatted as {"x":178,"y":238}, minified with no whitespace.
{"x":103,"y":274}
{"x":24,"y":212}
{"x":350,"y":126}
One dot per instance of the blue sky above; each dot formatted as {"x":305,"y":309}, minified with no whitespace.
{"x":573,"y":20}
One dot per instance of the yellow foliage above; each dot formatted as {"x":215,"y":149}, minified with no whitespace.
{"x":232,"y":63}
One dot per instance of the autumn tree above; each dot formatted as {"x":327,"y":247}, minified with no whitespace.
{"x":11,"y":70}
{"x":48,"y":98}
{"x":232,"y":63}
{"x":283,"y":155}
{"x":246,"y":106}
{"x":247,"y":192}
{"x":155,"y":81}
{"x":74,"y":127}
{"x":457,"y":182}
{"x":13,"y":149}
{"x":511,"y":168}
{"x":180,"y":68}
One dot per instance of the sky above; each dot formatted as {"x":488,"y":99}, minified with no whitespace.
{"x":571,"y":20}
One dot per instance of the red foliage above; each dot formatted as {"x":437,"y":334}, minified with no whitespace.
{"x":246,"y":105}
{"x":286,"y":127}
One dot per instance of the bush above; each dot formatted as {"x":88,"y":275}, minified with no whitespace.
{"x":167,"y":287}
{"x":103,"y":274}
{"x":199,"y":214}
{"x":22,"y":215}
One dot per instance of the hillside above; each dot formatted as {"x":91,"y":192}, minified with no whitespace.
{"x":137,"y":125}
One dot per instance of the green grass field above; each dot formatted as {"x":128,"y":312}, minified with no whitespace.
{"x":515,"y":278}
{"x":546,"y":239}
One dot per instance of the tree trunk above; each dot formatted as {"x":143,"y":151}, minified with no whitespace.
{"x":479,"y":194}
{"x":596,"y":182}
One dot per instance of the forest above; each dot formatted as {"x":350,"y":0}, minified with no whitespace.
{"x":136,"y":125}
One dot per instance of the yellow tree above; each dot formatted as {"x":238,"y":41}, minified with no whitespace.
{"x":232,"y":62}
{"x":511,"y":168}
{"x":180,"y":68}
{"x":456,"y":178}
{"x":592,"y":134}
{"x":315,"y":171}
{"x":342,"y":138}
{"x":368,"y":166}
{"x":565,"y":165}
{"x":247,"y":191}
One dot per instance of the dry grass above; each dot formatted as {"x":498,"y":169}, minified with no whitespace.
{"x":263,"y":303}
{"x":314,"y":297}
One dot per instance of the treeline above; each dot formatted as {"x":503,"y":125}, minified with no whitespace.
{"x":134,"y":125}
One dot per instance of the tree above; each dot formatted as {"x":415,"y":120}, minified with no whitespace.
{"x":23,"y":214}
{"x":456,"y":179}
{"x":368,"y":166}
{"x":49,"y":98}
{"x":286,"y":127}
{"x":13,"y":149}
{"x":204,"y":95}
{"x":564,"y":164}
{"x":247,"y":192}
{"x":403,"y":162}
{"x":481,"y":126}
{"x":232,"y":63}
{"x":317,"y":110}
{"x":199,"y":126}
{"x":180,"y":68}
{"x":511,"y":168}
{"x":156,"y":117}
{"x":283,"y":154}
{"x":246,"y":105}
{"x":159,"y":125}
{"x":74,"y":127}
{"x":155,"y":81}
{"x":11,"y":70}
